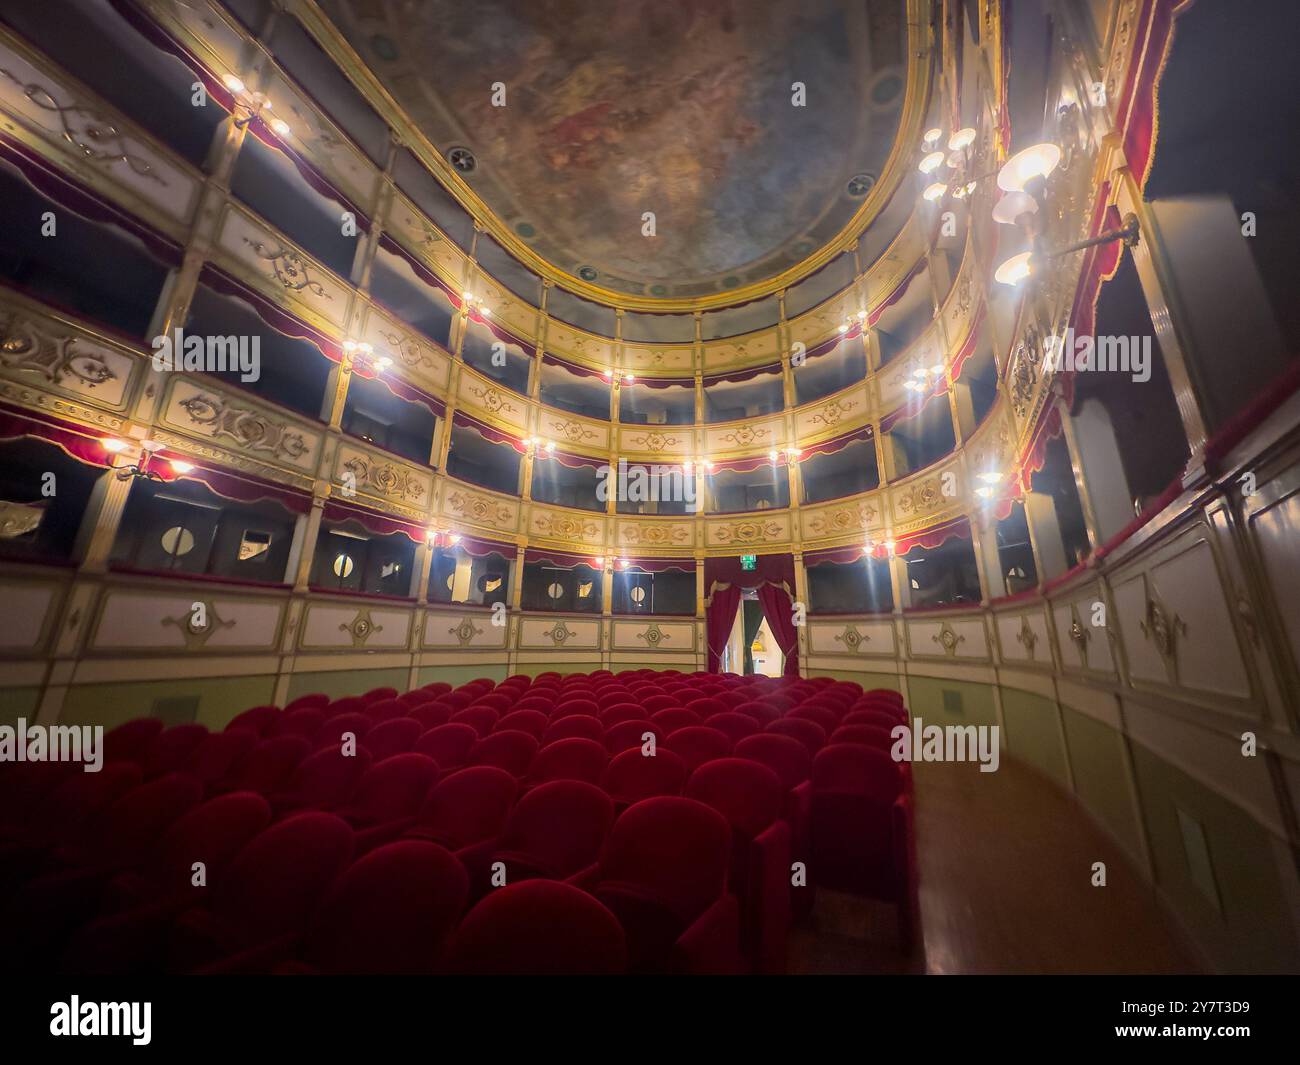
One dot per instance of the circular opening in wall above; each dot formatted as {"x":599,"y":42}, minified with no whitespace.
{"x":178,"y":541}
{"x":555,"y":590}
{"x":462,"y":159}
{"x":343,"y":566}
{"x":588,"y":273}
{"x":637,"y":595}
{"x":860,"y":184}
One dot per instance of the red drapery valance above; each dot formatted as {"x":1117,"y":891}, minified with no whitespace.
{"x":84,"y":445}
{"x":373,"y":521}
{"x":496,"y":436}
{"x":279,"y":320}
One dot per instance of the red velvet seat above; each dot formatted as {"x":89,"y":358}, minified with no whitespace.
{"x":862,"y":834}
{"x":675,"y":717}
{"x":431,"y":714}
{"x":871,"y":735}
{"x":620,"y":712}
{"x":655,"y":703}
{"x":270,"y":891}
{"x":129,"y":742}
{"x":448,"y":745}
{"x":392,"y":912}
{"x":736,"y":726}
{"x":173,"y":749}
{"x":554,"y":832}
{"x":268,"y":765}
{"x":395,"y":736}
{"x":418,"y":697}
{"x":631,"y":734}
{"x":663,"y":874}
{"x":304,"y":722}
{"x":323,"y":781}
{"x":878,"y":718}
{"x":467,"y":807}
{"x":259,"y":719}
{"x":500,"y":702}
{"x":706,"y":706}
{"x":374,"y":695}
{"x":565,"y":706}
{"x":809,"y":733}
{"x":349,"y":704}
{"x":220,"y":755}
{"x":763,"y":713}
{"x":697,"y":744}
{"x":575,"y":758}
{"x":511,"y":750}
{"x":380,"y":710}
{"x":541,"y":703}
{"x":538,"y":928}
{"x":393,"y":790}
{"x":631,"y":776}
{"x":752,"y":799}
{"x":825,"y":718}
{"x":580,"y":726}
{"x":438,"y":687}
{"x":534,"y":722}
{"x":317,"y":699}
{"x":480,"y":718}
{"x":341,"y":729}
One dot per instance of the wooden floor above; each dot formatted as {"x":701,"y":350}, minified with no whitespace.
{"x":1005,"y":863}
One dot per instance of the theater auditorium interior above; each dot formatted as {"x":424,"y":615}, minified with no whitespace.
{"x":435,"y":540}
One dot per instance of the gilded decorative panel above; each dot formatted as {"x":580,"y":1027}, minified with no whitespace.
{"x":735,"y":353}
{"x":852,"y":518}
{"x":471,"y":630}
{"x":201,"y":620}
{"x":360,"y":627}
{"x":378,"y":476}
{"x":414,"y":356}
{"x":560,"y":632}
{"x":654,"y":634}
{"x":648,"y":535}
{"x":477,"y":506}
{"x":572,"y":526}
{"x":668,"y":441}
{"x":749,"y":436}
{"x":754,"y":529}
{"x":572,"y":430}
{"x":662,"y":360}
{"x":838,"y":413}
{"x":849,"y":636}
{"x":494,"y":402}
{"x":961,"y":637}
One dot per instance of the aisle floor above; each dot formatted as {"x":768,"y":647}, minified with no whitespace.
{"x":1006,"y":887}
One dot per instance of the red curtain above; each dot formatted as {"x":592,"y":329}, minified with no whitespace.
{"x":778,"y":610}
{"x":719,"y":617}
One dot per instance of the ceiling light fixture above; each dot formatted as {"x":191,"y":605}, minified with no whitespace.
{"x":931,"y":163}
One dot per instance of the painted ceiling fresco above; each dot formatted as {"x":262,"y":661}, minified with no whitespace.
{"x":682,"y":108}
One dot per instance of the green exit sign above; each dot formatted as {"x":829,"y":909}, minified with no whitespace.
{"x":748,"y":562}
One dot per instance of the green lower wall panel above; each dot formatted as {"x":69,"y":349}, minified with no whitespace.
{"x":18,"y":702}
{"x":1101,"y":781}
{"x":531,"y":669}
{"x":338,"y":683}
{"x":1033,"y":733}
{"x":219,"y":699}
{"x":1217,"y":867}
{"x":950,"y":702}
{"x":866,"y":679}
{"x":458,"y":675}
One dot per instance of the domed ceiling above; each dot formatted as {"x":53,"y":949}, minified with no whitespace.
{"x":683,"y":108}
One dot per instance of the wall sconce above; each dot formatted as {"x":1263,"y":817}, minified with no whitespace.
{"x":442,"y":538}
{"x":534,"y":443}
{"x":476,"y":303}
{"x":248,"y":105}
{"x":924,"y":377}
{"x":145,"y":468}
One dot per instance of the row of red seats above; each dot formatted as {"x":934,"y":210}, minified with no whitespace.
{"x":540,"y":738}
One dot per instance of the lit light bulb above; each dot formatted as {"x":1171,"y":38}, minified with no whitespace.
{"x":772,"y":455}
{"x":990,"y":476}
{"x":1014,"y":270}
{"x":963,"y":138}
{"x":233,"y":83}
{"x":934,"y":192}
{"x":1023,"y":167}
{"x":931,"y":163}
{"x":383,"y":363}
{"x":181,"y":466}
{"x":1014,"y":206}
{"x":931,"y":137}
{"x":114,"y":445}
{"x":454,"y":538}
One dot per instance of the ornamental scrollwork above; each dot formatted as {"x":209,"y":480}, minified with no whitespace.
{"x":247,"y":428}
{"x":58,"y":360}
{"x":289,"y":268}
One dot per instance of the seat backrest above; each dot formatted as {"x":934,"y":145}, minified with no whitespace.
{"x":698,"y":744}
{"x":212,"y":833}
{"x":349,"y":704}
{"x":559,"y":827}
{"x":824,"y":717}
{"x":173,"y":749}
{"x":809,"y":733}
{"x":631,"y":776}
{"x":395,"y":736}
{"x":328,"y":777}
{"x":65,"y":810}
{"x":580,"y":725}
{"x":331,"y":733}
{"x":706,"y":706}
{"x":575,"y":758}
{"x":629,"y":734}
{"x":259,"y":719}
{"x":566,"y":705}
{"x":510,"y":750}
{"x":391,"y":912}
{"x":538,"y":928}
{"x":417,"y":697}
{"x":747,"y":794}
{"x":384,"y":709}
{"x":469,"y":806}
{"x":374,"y":695}
{"x":785,"y":756}
{"x":879,"y":718}
{"x":269,"y":764}
{"x":447,"y":744}
{"x":857,"y":770}
{"x":675,"y":717}
{"x":129,"y":741}
{"x":736,"y":726}
{"x":221,"y":754}
{"x":431,"y":714}
{"x":675,"y":850}
{"x":276,"y":882}
{"x":125,"y":829}
{"x":479,"y":718}
{"x":317,"y":699}
{"x":870,"y":735}
{"x":623,"y":711}
{"x":534,"y":722}
{"x":396,"y":787}
{"x":659,"y":701}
